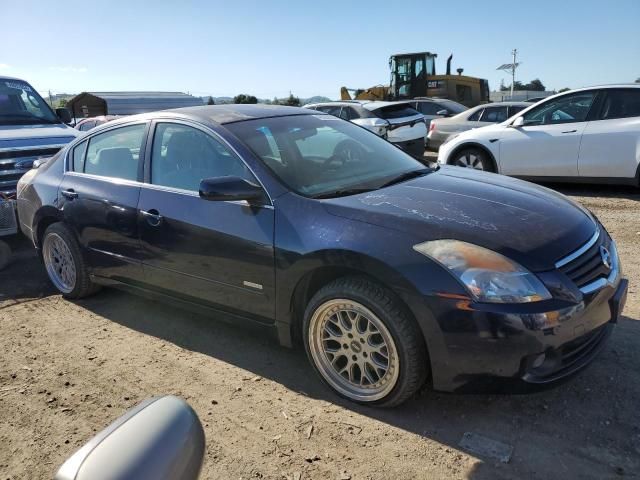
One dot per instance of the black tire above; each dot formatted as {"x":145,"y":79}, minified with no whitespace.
{"x":407,"y":338}
{"x":474,"y":158}
{"x":83,"y":286}
{"x":5,"y":254}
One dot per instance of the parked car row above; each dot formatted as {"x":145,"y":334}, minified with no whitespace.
{"x":387,"y":272}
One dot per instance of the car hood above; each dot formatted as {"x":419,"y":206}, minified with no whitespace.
{"x":532,"y":225}
{"x":35,"y":135}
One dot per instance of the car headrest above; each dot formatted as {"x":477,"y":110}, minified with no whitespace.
{"x":116,"y":162}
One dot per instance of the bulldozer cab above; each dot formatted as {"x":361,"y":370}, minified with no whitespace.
{"x":409,"y":72}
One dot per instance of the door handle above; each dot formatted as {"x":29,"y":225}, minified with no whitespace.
{"x":570,"y":131}
{"x":69,"y":193}
{"x":153,"y":217}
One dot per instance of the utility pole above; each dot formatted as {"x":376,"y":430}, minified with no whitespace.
{"x":50,"y":100}
{"x":514,"y":52}
{"x":511,"y":68}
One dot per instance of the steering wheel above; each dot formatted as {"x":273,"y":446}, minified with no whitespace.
{"x":346,"y":151}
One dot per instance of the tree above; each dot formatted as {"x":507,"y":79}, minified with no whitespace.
{"x":211,"y":101}
{"x":291,"y":101}
{"x":244,"y":98}
{"x":535,"y":85}
{"x":638,"y":80}
{"x":565,"y":89}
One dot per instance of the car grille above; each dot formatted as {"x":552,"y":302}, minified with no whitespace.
{"x":15,"y":163}
{"x":585,"y":266}
{"x":8,"y":224}
{"x":582,"y":347}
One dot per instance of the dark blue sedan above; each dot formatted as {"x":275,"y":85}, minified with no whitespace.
{"x":388,"y":272}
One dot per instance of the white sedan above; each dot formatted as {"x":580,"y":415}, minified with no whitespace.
{"x":589,"y":135}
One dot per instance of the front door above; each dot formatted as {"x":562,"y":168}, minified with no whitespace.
{"x":548,"y":143}
{"x":212,"y":252}
{"x":99,"y":198}
{"x":610,"y":146}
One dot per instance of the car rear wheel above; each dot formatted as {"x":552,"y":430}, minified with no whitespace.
{"x":363,"y":343}
{"x":64,"y":263}
{"x":473,"y":158}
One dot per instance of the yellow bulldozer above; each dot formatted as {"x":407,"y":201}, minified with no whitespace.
{"x":413,"y":75}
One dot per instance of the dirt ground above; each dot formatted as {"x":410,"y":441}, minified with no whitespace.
{"x":68,"y":369}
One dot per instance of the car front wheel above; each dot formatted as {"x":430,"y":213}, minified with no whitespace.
{"x":473,"y":158}
{"x":364,"y":344}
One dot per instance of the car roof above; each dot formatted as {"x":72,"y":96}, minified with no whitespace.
{"x":375,"y":105}
{"x":505,"y":104}
{"x":2,"y":77}
{"x":337,"y":103}
{"x":368,"y":104}
{"x":222,"y":114}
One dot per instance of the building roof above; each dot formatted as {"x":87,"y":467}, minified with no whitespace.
{"x":130,"y":103}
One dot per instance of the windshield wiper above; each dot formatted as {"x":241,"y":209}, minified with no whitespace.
{"x":403,"y":177}
{"x":343,"y":193}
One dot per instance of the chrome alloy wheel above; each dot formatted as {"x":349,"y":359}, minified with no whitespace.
{"x":353,"y":350}
{"x":470,"y":160}
{"x":59,"y":263}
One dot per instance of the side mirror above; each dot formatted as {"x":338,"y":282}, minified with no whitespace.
{"x":161,"y":439}
{"x":443,"y":113}
{"x":64,"y":114}
{"x":229,"y":188}
{"x":517,"y":123}
{"x":40,"y":161}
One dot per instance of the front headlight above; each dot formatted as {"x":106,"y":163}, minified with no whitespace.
{"x":487,"y":275}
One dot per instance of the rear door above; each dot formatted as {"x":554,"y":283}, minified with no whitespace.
{"x":99,"y":198}
{"x":213,"y":252}
{"x":548,"y":143}
{"x":611,"y":142}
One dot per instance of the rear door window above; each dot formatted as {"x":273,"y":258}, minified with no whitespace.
{"x":474,"y":117}
{"x":116,"y":153}
{"x":621,"y":104}
{"x":494,"y":114}
{"x":77,"y":156}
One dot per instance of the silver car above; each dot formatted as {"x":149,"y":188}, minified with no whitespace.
{"x":441,"y":129}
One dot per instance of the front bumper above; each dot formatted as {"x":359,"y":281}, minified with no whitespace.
{"x":488,"y":347}
{"x":414,"y":147}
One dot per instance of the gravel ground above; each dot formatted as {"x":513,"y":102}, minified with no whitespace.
{"x":68,"y":369}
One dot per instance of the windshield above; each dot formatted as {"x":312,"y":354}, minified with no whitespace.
{"x":20,"y":104}
{"x":317,"y":155}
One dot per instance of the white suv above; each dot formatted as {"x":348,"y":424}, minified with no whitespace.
{"x":590,"y":135}
{"x":398,"y":122}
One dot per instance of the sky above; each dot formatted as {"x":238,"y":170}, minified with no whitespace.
{"x":309,"y":47}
